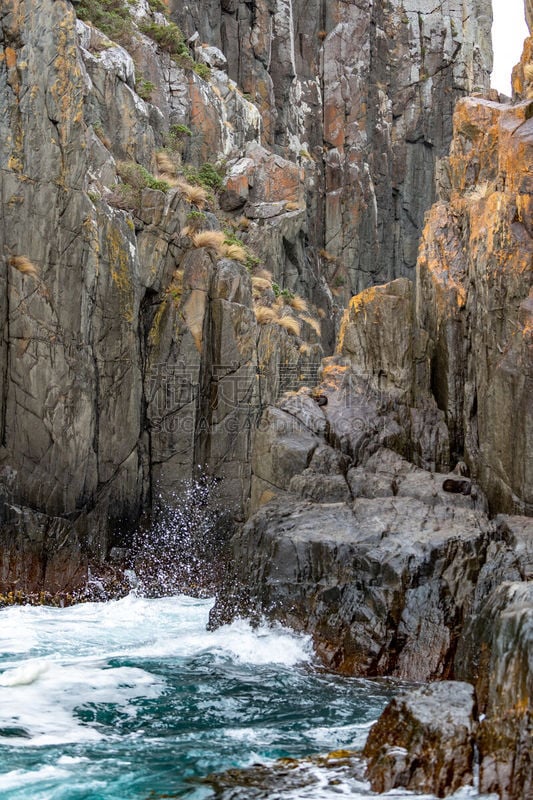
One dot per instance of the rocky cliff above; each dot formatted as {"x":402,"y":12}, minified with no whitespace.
{"x":362,"y":535}
{"x":362,"y":95}
{"x":178,"y":223}
{"x":190,"y":196}
{"x":130,"y":345}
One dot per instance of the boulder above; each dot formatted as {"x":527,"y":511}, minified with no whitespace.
{"x":382,"y":585}
{"x":424,"y":740}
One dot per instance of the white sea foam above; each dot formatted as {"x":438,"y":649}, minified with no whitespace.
{"x":17,"y":778}
{"x":45,"y":708}
{"x":348,"y":736}
{"x":24,"y":675}
{"x":67,"y":659}
{"x":166,"y":627}
{"x":58,"y":662}
{"x":346,"y":785}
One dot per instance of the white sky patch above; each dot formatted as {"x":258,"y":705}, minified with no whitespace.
{"x":509,"y":30}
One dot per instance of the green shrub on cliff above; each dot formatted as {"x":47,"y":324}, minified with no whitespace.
{"x":135,"y":178}
{"x":209,"y":176}
{"x":144,"y":88}
{"x":112,"y":17}
{"x":170,"y":39}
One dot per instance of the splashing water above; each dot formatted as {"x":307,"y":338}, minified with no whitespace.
{"x":184,"y":545}
{"x":135,"y":699}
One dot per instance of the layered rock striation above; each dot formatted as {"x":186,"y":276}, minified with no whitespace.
{"x":131,"y":353}
{"x":362,"y":94}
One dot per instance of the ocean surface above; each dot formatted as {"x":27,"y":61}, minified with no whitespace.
{"x":134,"y":699}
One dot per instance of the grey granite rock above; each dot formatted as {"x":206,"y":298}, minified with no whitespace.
{"x":424,"y":740}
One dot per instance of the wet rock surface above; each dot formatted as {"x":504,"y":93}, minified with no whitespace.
{"x":499,"y":641}
{"x":382,"y":584}
{"x":424,"y":740}
{"x":260,"y":782}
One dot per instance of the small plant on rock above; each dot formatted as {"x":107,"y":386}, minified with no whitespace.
{"x":112,"y":17}
{"x":212,"y":239}
{"x":195,"y":222}
{"x":176,"y":136}
{"x":265,"y":315}
{"x":166,"y":165}
{"x":195,"y":195}
{"x":208,"y":175}
{"x":23,"y":265}
{"x":158,"y":5}
{"x":144,"y":88}
{"x":135,"y":178}
{"x":234,"y":251}
{"x":298,"y":303}
{"x":290,"y":324}
{"x":169,"y":37}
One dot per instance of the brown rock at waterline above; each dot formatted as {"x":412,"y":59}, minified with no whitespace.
{"x":496,"y":654}
{"x":381,"y":584}
{"x":424,"y":740}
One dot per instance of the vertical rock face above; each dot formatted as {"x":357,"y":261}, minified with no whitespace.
{"x":362,"y":94}
{"x":130,"y":353}
{"x":474,"y":297}
{"x":497,"y":656}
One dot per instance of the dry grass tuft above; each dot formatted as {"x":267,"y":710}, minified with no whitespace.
{"x":195,"y":195}
{"x":298,"y":303}
{"x":165,"y":165}
{"x":264,"y":273}
{"x":313,"y":323}
{"x":24,"y":265}
{"x":175,"y":290}
{"x":290,"y":324}
{"x":243,"y":223}
{"x":212,"y":239}
{"x":234,"y":251}
{"x":262,"y":284}
{"x":265,"y":315}
{"x":328,"y":257}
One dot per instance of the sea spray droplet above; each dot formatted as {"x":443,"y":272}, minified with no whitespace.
{"x":182,"y":549}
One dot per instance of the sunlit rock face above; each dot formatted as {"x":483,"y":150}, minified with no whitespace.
{"x":362,"y":94}
{"x":474,"y":297}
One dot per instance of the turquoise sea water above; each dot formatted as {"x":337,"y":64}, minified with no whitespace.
{"x":135,"y":699}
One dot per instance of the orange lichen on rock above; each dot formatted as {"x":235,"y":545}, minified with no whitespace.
{"x":10,"y":57}
{"x":332,"y":373}
{"x":474,"y":274}
{"x":522,"y":78}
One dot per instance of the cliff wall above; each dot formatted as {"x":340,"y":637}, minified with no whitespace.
{"x":133,"y":353}
{"x":362,"y":95}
